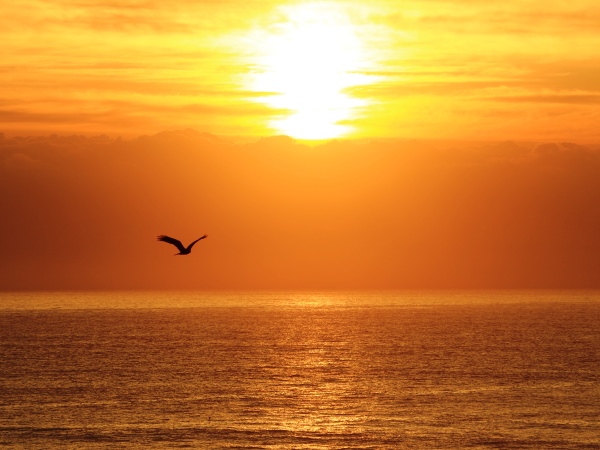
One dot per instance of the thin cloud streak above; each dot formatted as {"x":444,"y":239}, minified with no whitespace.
{"x":583,"y":99}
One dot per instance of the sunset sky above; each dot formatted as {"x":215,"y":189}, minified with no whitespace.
{"x":518,"y":69}
{"x":320,"y":145}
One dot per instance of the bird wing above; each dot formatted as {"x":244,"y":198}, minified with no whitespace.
{"x":200,"y":238}
{"x":171,"y":240}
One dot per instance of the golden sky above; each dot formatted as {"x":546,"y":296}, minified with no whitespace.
{"x":516,"y":69}
{"x":430,"y":144}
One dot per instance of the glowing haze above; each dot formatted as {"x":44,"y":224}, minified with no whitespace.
{"x":516,"y":69}
{"x":84,"y":212}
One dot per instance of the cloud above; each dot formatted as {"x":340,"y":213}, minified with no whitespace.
{"x":149,"y":55}
{"x":149,"y":17}
{"x":81,"y":212}
{"x":11,"y":116}
{"x":128,"y":117}
{"x":485,"y":18}
{"x":569,"y":99}
{"x":19,"y":161}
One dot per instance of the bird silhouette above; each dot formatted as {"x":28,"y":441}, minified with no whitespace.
{"x":182,"y":250}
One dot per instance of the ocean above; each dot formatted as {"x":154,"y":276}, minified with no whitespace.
{"x":414,"y":370}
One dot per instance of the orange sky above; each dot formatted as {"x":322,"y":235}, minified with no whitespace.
{"x":518,"y":69}
{"x":81,"y":213}
{"x":431,"y":144}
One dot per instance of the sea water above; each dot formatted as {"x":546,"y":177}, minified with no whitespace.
{"x":418,"y":370}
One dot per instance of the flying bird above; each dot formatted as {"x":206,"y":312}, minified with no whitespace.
{"x":182,"y":250}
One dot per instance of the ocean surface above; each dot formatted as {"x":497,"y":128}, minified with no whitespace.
{"x":415,"y":370}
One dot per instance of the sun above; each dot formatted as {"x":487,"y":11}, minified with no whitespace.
{"x":307,"y":62}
